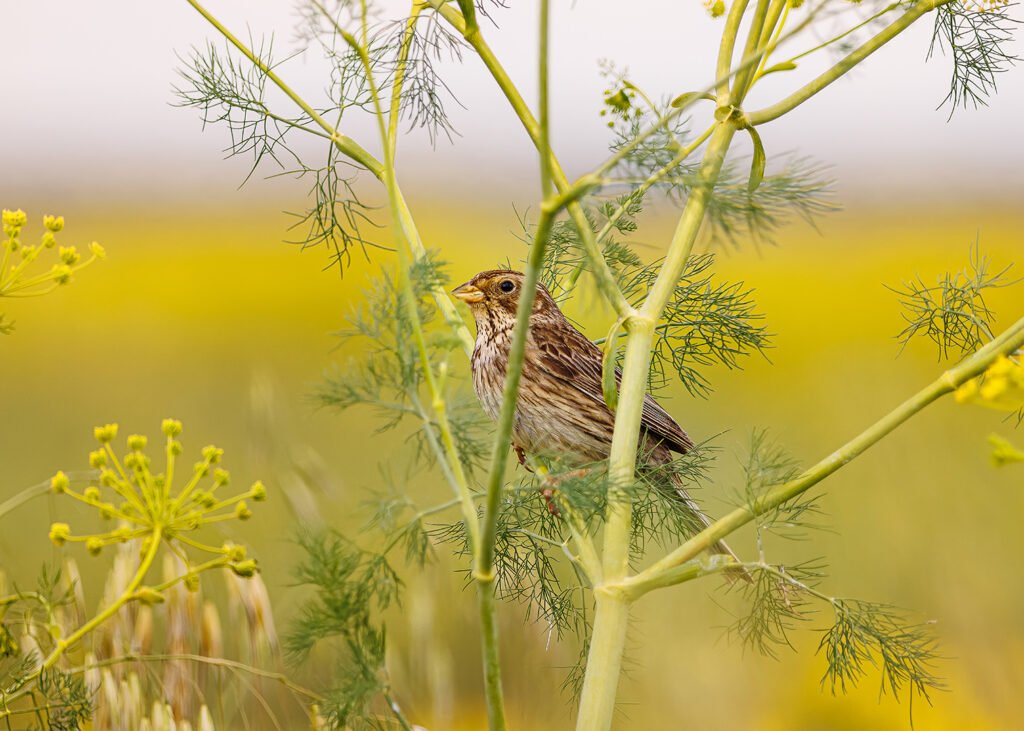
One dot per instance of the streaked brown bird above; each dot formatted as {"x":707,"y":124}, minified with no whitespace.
{"x":561,"y":409}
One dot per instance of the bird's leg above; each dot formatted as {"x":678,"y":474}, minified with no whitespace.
{"x":552,"y":482}
{"x":521,"y":454}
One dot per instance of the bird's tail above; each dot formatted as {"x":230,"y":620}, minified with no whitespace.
{"x":719,"y":547}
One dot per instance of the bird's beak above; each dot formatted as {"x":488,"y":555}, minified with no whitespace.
{"x":468,"y":293}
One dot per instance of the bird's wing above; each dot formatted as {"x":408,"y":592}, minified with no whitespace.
{"x":574,"y":360}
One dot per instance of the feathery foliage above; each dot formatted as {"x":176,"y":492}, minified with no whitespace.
{"x":952,"y":313}
{"x":977,"y":38}
{"x":389,"y":377}
{"x":351,"y":588}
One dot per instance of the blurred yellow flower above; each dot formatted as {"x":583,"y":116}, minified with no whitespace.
{"x":1004,"y":453}
{"x":1000,"y":387}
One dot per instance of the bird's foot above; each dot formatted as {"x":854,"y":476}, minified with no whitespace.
{"x":521,"y":454}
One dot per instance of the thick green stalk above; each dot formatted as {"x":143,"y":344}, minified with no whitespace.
{"x":741,"y":81}
{"x":726,"y":49}
{"x":607,"y":642}
{"x":604,"y":660}
{"x":655,"y":576}
{"x":800,"y":96}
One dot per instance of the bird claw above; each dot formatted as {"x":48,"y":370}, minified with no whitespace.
{"x":521,"y":454}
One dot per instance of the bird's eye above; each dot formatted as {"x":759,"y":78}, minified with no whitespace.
{"x":507,"y":286}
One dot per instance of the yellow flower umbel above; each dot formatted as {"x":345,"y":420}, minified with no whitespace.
{"x":149,"y":507}
{"x":1000,"y":387}
{"x":17,"y":259}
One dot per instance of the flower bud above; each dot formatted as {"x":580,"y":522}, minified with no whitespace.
{"x":259,"y":492}
{"x":137,"y":442}
{"x":192,"y":582}
{"x":59,"y":482}
{"x":105,"y":434}
{"x":94,"y":545}
{"x":48,"y":240}
{"x":171,"y":427}
{"x":92,"y":495}
{"x":245,"y":569}
{"x":242,"y":511}
{"x":14,"y":219}
{"x":221,"y":477}
{"x":235,"y":553}
{"x":97,"y":459}
{"x":98,"y":251}
{"x":59,"y":532}
{"x":53,"y":223}
{"x":212,"y":454}
{"x":69,"y":255}
{"x":61,"y":273}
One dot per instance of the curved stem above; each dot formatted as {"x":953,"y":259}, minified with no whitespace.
{"x":126,"y":596}
{"x":846,"y":64}
{"x":345,"y":144}
{"x":655,"y":575}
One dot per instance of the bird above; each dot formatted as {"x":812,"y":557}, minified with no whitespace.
{"x":561,"y":410}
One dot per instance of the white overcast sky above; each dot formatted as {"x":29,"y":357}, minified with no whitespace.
{"x":86,"y":101}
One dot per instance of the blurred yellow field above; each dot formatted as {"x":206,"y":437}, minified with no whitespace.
{"x":205,"y":316}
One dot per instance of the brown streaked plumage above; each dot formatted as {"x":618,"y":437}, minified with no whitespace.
{"x":561,"y":409}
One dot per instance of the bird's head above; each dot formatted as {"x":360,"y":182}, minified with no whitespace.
{"x":495,"y":293}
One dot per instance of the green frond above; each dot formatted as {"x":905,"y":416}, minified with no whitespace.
{"x":351,"y":588}
{"x":706,"y":322}
{"x":230,"y":90}
{"x":424,"y":91}
{"x":68,"y":702}
{"x":776,"y":607}
{"x":736,"y":215}
{"x":952,"y":313}
{"x":768,"y":464}
{"x":867,"y":635}
{"x":979,"y":41}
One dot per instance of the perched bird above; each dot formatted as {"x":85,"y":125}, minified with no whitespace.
{"x":561,"y":409}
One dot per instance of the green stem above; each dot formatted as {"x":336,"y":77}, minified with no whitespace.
{"x":605,"y":657}
{"x":126,"y":596}
{"x":23,"y":497}
{"x":741,"y":81}
{"x":492,"y":662}
{"x":345,"y":144}
{"x":543,"y":106}
{"x":603,"y":275}
{"x":660,"y":573}
{"x":604,"y":663}
{"x":726,"y":49}
{"x":841,"y":36}
{"x":819,"y":84}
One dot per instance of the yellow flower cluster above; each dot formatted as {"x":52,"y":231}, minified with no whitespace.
{"x":715,"y":8}
{"x":1000,"y":387}
{"x":985,"y":6}
{"x":147,"y":505}
{"x":17,"y":257}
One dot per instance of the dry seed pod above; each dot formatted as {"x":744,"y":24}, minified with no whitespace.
{"x":205,"y":720}
{"x":142,"y":637}
{"x":211,"y":642}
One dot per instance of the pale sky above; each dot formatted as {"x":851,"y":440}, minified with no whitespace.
{"x":87,"y":102}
